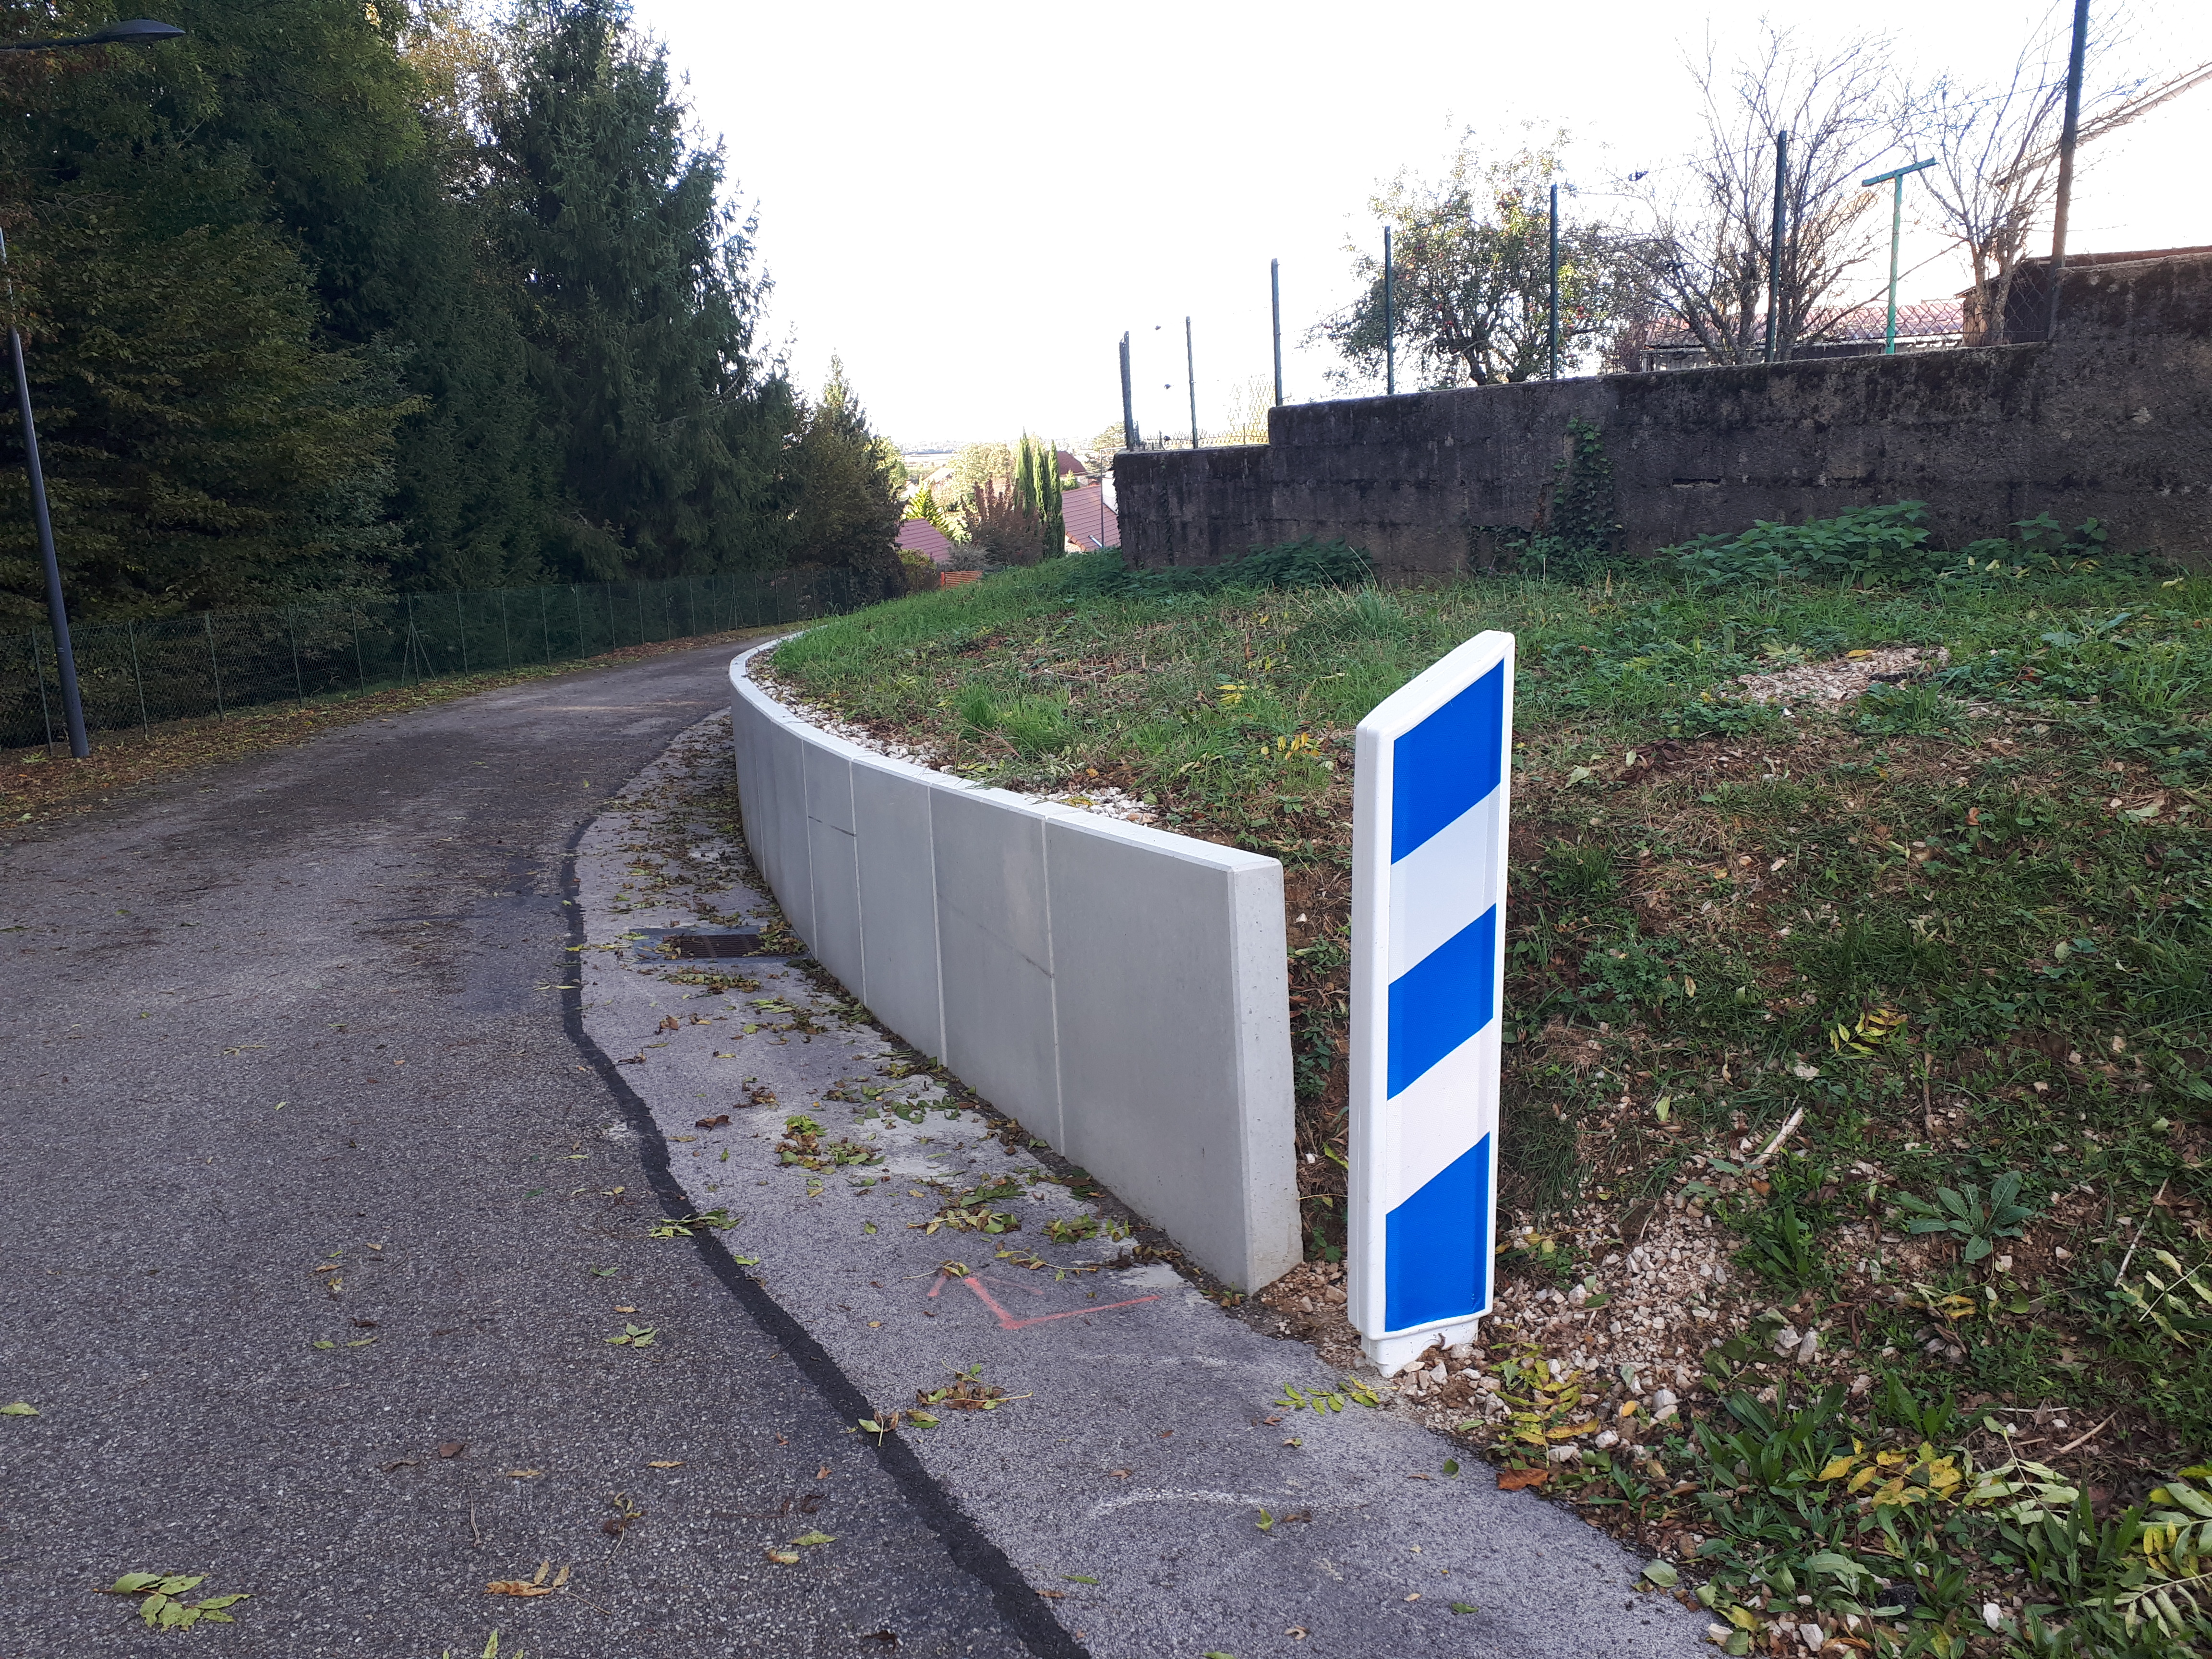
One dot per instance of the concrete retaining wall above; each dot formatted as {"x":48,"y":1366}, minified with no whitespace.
{"x":2111,"y":420}
{"x":1120,"y":991}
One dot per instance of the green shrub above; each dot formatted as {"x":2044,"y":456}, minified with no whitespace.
{"x":1869,"y":544}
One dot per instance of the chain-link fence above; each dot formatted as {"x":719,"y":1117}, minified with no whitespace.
{"x":133,"y":674}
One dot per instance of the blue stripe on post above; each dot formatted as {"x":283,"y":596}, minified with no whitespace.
{"x":1443,"y":1000}
{"x":1435,"y":1245}
{"x":1447,"y":763}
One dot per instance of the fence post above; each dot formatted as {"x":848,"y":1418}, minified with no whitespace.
{"x":207,"y":621}
{"x":360,"y":672}
{"x":577,"y":598}
{"x":506,"y":633}
{"x":544,"y":628}
{"x":46,"y":714}
{"x":461,"y":619}
{"x":407,"y":644}
{"x":637,"y":592}
{"x":292,"y":634}
{"x":138,"y":678}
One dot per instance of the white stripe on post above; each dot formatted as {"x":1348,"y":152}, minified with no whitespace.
{"x":1431,"y":801}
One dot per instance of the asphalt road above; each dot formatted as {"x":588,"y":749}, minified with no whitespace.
{"x":320,"y":1208}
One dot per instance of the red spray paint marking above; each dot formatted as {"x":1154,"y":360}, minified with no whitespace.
{"x":1008,"y":1322}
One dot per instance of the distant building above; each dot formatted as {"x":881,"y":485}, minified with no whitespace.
{"x":1089,"y":520}
{"x":920,"y":536}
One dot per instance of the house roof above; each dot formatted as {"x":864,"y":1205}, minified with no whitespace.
{"x":920,"y":536}
{"x":1087,"y":518}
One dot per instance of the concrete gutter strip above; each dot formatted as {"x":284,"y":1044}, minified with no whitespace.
{"x":1121,"y":990}
{"x":1146,"y":1472}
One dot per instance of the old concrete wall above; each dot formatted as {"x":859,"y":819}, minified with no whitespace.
{"x":2114,"y":419}
{"x":1121,"y":991}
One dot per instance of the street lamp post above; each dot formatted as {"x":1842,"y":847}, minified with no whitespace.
{"x":138,"y":32}
{"x":1896,"y":231}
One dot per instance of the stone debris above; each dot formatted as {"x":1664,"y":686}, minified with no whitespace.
{"x":1847,"y":676}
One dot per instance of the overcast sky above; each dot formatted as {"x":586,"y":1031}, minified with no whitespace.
{"x":970,"y":203}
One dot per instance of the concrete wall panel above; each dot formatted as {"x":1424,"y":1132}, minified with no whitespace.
{"x":832,"y":862}
{"x":1160,"y":943}
{"x":1118,"y":990}
{"x":898,"y":895}
{"x":994,"y":950}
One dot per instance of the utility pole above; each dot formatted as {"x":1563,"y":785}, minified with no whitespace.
{"x":2067,"y":137}
{"x":1774,"y":246}
{"x":1275,"y":295}
{"x":1896,"y":231}
{"x":1555,"y":284}
{"x":56,"y":608}
{"x":1390,"y":324}
{"x":1128,"y":402}
{"x":1190,"y":371}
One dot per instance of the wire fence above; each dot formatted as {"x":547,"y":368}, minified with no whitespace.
{"x":221,"y":662}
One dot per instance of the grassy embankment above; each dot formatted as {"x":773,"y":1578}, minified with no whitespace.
{"x":1960,"y":924}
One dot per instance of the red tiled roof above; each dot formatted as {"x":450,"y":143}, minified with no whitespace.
{"x":920,"y":536}
{"x":1082,"y":510}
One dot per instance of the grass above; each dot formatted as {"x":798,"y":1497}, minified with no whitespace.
{"x":37,"y":786}
{"x":1963,"y":926}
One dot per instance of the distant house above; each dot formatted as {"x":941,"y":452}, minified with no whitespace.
{"x":920,"y":536}
{"x":1089,"y":521}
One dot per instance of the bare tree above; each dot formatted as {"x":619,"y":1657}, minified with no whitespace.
{"x":1705,"y":251}
{"x":1996,"y":147}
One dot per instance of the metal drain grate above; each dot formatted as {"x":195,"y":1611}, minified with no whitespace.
{"x":696,"y":946}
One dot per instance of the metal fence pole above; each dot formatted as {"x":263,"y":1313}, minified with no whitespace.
{"x":361,"y":672}
{"x":46,"y":714}
{"x":291,"y":633}
{"x":207,"y":621}
{"x":138,"y":678}
{"x":544,"y":628}
{"x":578,"y":600}
{"x":1389,"y":322}
{"x":407,"y":645}
{"x":504,"y":632}
{"x":461,"y":620}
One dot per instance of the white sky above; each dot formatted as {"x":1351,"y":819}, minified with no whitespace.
{"x":970,"y":203}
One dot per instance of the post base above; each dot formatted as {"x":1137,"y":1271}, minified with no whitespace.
{"x":1391,"y":1354}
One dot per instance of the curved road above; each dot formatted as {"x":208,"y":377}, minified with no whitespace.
{"x":316,"y":1202}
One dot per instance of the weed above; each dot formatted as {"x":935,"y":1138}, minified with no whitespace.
{"x":1962,"y":1213}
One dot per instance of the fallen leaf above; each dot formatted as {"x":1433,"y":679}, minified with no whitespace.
{"x":21,"y":1408}
{"x":516,"y":1587}
{"x":822,"y":1474}
{"x":625,"y":1310}
{"x":526,"y":1474}
{"x":888,"y":1638}
{"x":1078,"y":1579}
{"x":1056,"y":1595}
{"x":451,"y":1448}
{"x":1515,"y":1480}
{"x":788,"y":1557}
{"x":808,"y":1539}
{"x":403,"y":1463}
{"x":714,"y":1122}
{"x":1659,"y":1573}
{"x":1465,"y":1606}
{"x":665,"y":1464}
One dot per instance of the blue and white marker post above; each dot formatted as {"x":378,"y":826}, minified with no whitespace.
{"x":1431,"y":801}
